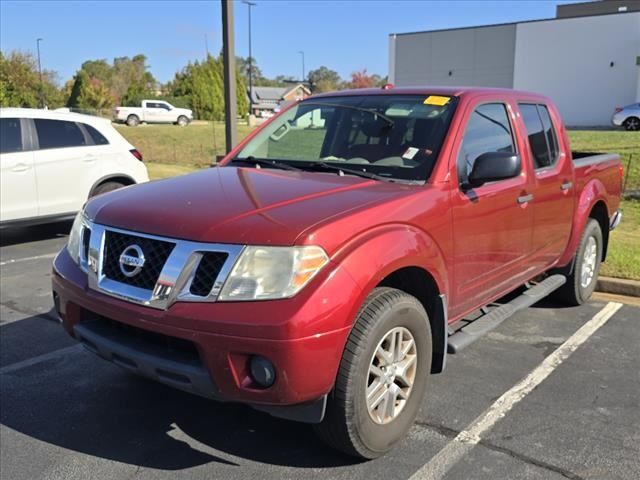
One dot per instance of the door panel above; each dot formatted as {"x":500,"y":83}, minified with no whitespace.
{"x":62,"y":164}
{"x":492,"y":224}
{"x":18,"y":193}
{"x":554,"y":205}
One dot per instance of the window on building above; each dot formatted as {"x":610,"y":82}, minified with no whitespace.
{"x":488,"y":130}
{"x":58,"y":134}
{"x":10,"y":135}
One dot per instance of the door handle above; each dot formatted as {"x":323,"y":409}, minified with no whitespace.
{"x":522,"y":199}
{"x":566,"y":186}
{"x":20,"y":167}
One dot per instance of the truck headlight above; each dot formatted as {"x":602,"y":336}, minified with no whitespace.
{"x":266,"y":273}
{"x":74,"y":244}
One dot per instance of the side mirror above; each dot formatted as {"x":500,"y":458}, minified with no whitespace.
{"x":492,"y":166}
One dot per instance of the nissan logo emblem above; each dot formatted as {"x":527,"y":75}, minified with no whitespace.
{"x":131,"y":260}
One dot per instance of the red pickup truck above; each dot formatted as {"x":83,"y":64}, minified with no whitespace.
{"x":324,"y":268}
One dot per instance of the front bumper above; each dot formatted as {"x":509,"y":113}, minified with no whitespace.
{"x":303,"y":337}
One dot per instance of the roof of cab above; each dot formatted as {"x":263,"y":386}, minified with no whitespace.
{"x":430,"y":90}
{"x":50,"y":114}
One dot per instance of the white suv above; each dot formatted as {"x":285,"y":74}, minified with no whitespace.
{"x":51,"y":162}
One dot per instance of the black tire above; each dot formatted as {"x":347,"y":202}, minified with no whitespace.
{"x":348,"y":426}
{"x":632,"y":124}
{"x":106,"y":187}
{"x":133,"y":120}
{"x":182,"y":121}
{"x":573,"y":292}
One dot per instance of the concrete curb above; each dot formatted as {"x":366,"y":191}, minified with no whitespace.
{"x":618,"y":286}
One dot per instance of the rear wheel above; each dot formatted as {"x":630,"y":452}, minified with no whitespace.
{"x":581,"y":282}
{"x":133,"y":120}
{"x":382,"y":376}
{"x":106,"y":187}
{"x":632,"y":124}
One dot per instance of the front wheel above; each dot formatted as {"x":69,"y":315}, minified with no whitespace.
{"x":382,"y":376}
{"x":581,"y":281}
{"x":632,"y":124}
{"x":183,"y":121}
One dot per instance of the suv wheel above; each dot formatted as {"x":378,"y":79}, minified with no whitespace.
{"x":632,"y":124}
{"x":133,"y":120}
{"x":183,"y":121}
{"x":581,"y":282}
{"x":382,"y":376}
{"x":106,"y":187}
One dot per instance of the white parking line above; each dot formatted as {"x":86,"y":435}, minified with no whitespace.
{"x":41,"y":358}
{"x":444,"y":460}
{"x":27,"y":259}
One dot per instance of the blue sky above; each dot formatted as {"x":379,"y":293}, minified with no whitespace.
{"x":343,"y":35}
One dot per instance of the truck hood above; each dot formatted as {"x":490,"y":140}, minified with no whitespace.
{"x":239,"y":205}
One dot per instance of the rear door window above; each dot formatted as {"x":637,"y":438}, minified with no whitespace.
{"x":10,"y":135}
{"x":58,"y":134}
{"x":488,"y":130}
{"x":543,"y":140}
{"x":96,"y":136}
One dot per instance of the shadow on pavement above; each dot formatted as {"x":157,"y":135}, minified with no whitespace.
{"x":16,"y":235}
{"x":82,"y":403}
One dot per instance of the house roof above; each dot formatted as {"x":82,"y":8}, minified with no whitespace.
{"x":270,"y":97}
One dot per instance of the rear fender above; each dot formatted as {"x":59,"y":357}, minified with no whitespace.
{"x":593,"y":192}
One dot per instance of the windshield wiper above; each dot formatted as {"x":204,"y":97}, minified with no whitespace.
{"x":260,"y":162}
{"x":341,"y":171}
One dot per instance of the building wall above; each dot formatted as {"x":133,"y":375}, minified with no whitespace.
{"x":480,"y":56}
{"x":569,"y":60}
{"x":570,"y":10}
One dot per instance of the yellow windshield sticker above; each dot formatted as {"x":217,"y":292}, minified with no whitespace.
{"x":437,"y":100}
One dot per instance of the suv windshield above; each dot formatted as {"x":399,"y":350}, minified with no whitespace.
{"x":390,"y":136}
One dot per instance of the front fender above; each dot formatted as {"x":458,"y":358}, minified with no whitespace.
{"x":593,"y":192}
{"x":375,"y":254}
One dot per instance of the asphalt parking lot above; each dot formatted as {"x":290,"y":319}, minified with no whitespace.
{"x":65,"y":414}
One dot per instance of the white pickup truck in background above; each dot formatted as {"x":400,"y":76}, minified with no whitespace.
{"x":153,"y":111}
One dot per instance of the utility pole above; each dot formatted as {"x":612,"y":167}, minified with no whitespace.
{"x":229,"y":57}
{"x":250,"y":4}
{"x":40,"y":73}
{"x":302,"y":53}
{"x":206,"y":47}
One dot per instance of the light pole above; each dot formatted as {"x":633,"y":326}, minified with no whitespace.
{"x":40,"y":73}
{"x":250,"y":4}
{"x":302,"y":53}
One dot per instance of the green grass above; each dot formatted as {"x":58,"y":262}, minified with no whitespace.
{"x":613,"y":141}
{"x":194,"y":146}
{"x":623,"y":257}
{"x":169,"y":150}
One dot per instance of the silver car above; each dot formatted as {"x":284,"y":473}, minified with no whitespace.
{"x":627,"y":117}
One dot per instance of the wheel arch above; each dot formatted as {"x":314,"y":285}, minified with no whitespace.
{"x":120,"y":178}
{"x":420,"y":284}
{"x":403,"y":257}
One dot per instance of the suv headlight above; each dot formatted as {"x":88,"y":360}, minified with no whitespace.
{"x":74,"y":244}
{"x":266,"y":273}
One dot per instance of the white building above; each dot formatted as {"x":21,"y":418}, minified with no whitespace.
{"x":588,"y":65}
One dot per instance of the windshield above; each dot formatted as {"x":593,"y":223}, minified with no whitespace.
{"x":391,"y":136}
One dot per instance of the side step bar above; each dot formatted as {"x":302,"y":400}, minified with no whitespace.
{"x":473,"y":331}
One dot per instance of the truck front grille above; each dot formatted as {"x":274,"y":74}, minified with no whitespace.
{"x":207,"y":272}
{"x":156,"y":252}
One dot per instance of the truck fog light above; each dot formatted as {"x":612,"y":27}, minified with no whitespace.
{"x":262,"y":371}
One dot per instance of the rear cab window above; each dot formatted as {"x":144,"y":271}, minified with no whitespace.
{"x":10,"y":135}
{"x":488,"y":130}
{"x":58,"y":134}
{"x":543,"y":140}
